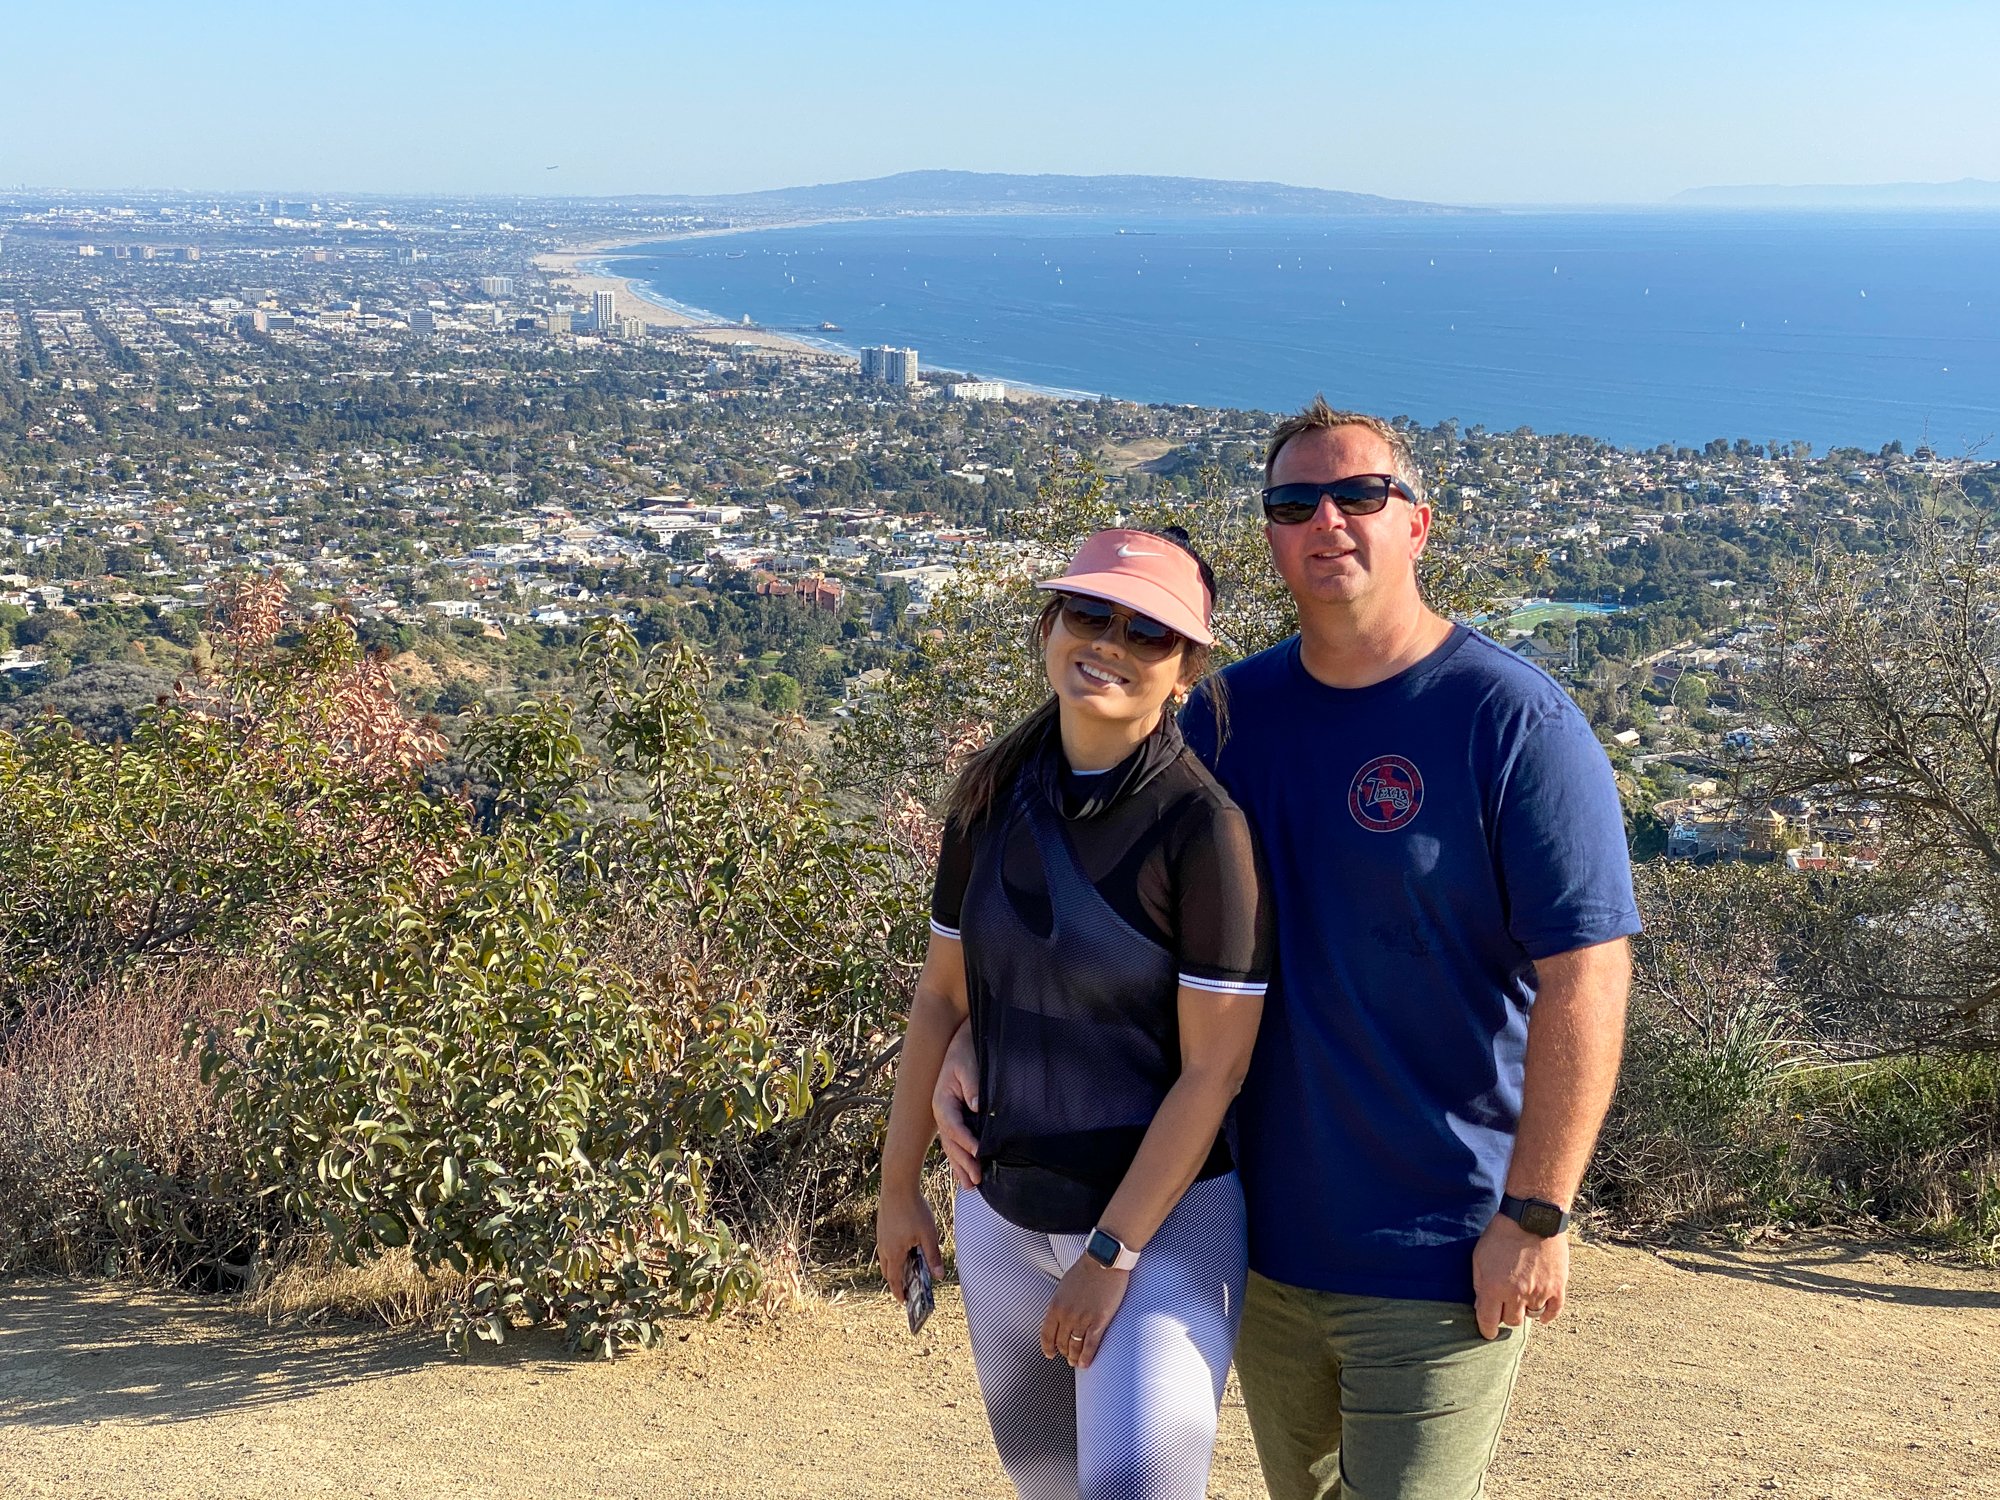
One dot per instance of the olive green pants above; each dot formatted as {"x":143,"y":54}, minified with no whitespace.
{"x":1371,"y":1398}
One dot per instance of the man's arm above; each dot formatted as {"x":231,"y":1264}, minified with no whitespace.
{"x":937,"y":1011}
{"x":1576,"y":1034}
{"x":955,"y":1096}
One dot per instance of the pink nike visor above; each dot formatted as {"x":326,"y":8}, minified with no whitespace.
{"x":1147,"y":574}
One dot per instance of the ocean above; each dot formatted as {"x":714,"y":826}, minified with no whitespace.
{"x":1634,"y":327}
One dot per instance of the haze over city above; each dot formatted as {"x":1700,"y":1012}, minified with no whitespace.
{"x":1549,"y":103}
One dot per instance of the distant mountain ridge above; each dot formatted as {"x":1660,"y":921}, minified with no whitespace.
{"x":1967,"y":192}
{"x":1006,"y":192}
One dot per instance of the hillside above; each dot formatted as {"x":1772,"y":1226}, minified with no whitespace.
{"x":1046,"y":193}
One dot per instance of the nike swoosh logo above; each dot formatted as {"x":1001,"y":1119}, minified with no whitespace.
{"x":1126,"y":550}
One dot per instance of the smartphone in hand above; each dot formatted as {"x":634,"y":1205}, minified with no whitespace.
{"x":918,"y":1300}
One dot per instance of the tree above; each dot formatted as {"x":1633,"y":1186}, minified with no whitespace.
{"x":781,"y":693}
{"x":1885,"y":694}
{"x":976,"y":670}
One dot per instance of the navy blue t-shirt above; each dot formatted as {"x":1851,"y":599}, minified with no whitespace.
{"x":1427,"y":839}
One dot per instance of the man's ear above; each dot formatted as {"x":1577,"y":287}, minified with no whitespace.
{"x":1420,"y":528}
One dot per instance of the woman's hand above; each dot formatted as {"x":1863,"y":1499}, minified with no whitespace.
{"x":1086,"y":1300}
{"x":904,"y":1221}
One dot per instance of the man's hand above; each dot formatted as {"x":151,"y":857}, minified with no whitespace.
{"x":957,"y":1092}
{"x":1517,"y":1275}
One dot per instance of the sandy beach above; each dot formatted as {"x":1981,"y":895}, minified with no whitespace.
{"x":579,"y":270}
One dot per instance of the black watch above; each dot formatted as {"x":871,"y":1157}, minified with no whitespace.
{"x":1538,"y":1216}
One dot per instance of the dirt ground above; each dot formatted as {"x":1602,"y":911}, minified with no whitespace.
{"x":1826,"y":1369}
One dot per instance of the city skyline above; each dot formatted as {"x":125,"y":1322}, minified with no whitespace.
{"x":1555,"y":103}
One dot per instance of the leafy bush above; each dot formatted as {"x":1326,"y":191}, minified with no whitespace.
{"x":1698,"y":1130}
{"x":454,"y":1070}
{"x":148,"y":886}
{"x":238,"y":812}
{"x":529,"y":1068}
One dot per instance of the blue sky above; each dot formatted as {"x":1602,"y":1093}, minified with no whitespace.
{"x":1612,"y":101}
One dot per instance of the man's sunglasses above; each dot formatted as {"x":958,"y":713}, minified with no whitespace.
{"x":1356,"y":495}
{"x":1146,"y":638}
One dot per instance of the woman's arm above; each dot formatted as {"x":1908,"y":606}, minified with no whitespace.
{"x":902,"y":1218}
{"x":1217,"y":1035}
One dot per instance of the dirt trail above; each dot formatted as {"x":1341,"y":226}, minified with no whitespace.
{"x":1819,"y":1370}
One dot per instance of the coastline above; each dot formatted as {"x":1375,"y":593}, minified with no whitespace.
{"x":581,"y":272}
{"x":581,"y":267}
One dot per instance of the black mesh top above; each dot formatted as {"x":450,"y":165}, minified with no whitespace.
{"x":1164,"y":846}
{"x":1085,"y":903}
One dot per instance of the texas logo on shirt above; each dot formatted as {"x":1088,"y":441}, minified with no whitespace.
{"x":1386,"y":794}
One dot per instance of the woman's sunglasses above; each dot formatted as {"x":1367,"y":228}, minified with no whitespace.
{"x":1147,"y":639}
{"x":1356,"y":495}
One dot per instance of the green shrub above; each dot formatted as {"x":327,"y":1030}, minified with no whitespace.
{"x":1698,"y":1131}
{"x":1911,"y":1141}
{"x":659,"y":958}
{"x":455,"y":1070}
{"x":240,"y":811}
{"x":1743,"y":1103}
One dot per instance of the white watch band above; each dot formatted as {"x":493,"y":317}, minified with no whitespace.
{"x":1125,"y":1259}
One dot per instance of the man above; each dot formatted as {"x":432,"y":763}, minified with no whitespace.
{"x":1453,"y":898}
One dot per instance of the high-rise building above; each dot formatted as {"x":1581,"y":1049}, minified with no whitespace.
{"x":632,"y":328}
{"x":422,"y":320}
{"x":604,"y":311}
{"x":889,"y":364}
{"x":556,"y":322}
{"x":497,"y":286}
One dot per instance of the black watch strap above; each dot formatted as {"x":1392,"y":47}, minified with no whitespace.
{"x":1536,"y":1215}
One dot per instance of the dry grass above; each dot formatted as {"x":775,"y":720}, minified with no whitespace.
{"x":311,"y":1284}
{"x":114,"y":1155}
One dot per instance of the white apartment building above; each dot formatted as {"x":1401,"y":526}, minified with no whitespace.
{"x":889,"y":364}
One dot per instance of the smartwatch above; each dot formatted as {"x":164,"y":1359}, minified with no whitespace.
{"x":1538,"y":1216}
{"x":1109,"y":1251}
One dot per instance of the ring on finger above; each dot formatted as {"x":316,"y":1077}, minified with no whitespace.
{"x":1076,"y":1338}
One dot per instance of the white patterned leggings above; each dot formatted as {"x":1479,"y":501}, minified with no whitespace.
{"x":1139,"y":1423}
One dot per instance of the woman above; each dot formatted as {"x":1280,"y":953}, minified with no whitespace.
{"x":1099,"y":917}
